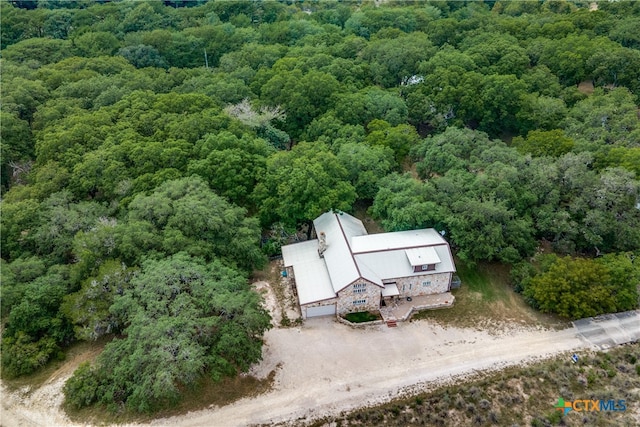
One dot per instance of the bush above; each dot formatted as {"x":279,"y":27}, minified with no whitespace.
{"x":21,"y":355}
{"x":81,"y":389}
{"x":577,"y":288}
{"x":361,"y":317}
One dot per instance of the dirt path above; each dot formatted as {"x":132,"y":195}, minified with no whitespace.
{"x":327,"y":367}
{"x":40,"y":407}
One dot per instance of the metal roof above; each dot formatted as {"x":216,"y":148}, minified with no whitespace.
{"x":394,"y":264}
{"x":390,"y":290}
{"x":300,"y":252}
{"x":352,"y":254}
{"x":422,"y":256}
{"x":309,"y":270}
{"x":313,"y":282}
{"x":396,"y":240}
{"x":340,"y":263}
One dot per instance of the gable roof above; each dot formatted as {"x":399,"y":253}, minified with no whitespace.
{"x":422,"y":256}
{"x":396,"y":240}
{"x":309,"y":270}
{"x":339,"y":229}
{"x":352,"y":254}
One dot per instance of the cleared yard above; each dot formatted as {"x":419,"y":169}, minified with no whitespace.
{"x":325,"y":367}
{"x":486,"y":300}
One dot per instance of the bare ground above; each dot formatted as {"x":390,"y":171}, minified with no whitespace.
{"x":327,"y":367}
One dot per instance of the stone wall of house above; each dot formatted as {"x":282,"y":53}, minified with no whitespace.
{"x":371,"y":295}
{"x":425,"y":284}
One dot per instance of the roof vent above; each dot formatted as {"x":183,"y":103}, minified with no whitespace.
{"x":322,"y":244}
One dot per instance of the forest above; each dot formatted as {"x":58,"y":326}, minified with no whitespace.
{"x":154,"y":154}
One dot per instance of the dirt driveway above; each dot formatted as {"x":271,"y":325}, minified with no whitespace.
{"x":327,"y":367}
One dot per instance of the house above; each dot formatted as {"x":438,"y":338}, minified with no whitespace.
{"x":346,"y":270}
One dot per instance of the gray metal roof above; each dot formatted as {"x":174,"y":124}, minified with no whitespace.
{"x":313,"y":282}
{"x":396,"y":240}
{"x":309,"y":270}
{"x":394,"y":264}
{"x":390,"y":290}
{"x":422,"y":256}
{"x":340,"y":263}
{"x":300,"y":252}
{"x":351,"y":254}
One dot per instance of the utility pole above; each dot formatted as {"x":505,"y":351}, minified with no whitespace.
{"x":206,"y":60}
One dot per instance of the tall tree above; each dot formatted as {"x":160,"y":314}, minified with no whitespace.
{"x":184,"y":319}
{"x":301,"y":184}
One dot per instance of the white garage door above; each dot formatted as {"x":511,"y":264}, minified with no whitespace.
{"x":323,"y":310}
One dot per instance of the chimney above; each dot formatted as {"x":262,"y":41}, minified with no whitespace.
{"x":322,"y":244}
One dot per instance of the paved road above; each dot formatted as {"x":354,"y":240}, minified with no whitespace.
{"x":608,"y":330}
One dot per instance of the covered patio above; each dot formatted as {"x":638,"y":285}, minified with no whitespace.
{"x":402,"y":309}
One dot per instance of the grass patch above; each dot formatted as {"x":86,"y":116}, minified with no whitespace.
{"x":484,"y":280}
{"x":518,"y":396}
{"x":486,"y":300}
{"x":362,"y":316}
{"x":207,"y":394}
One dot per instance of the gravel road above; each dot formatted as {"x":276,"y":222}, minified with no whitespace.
{"x":326,"y":367}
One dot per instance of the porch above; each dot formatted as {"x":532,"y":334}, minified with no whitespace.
{"x":402,"y":309}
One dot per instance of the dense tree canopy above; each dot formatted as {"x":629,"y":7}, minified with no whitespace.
{"x":182,"y":319}
{"x":141,"y":136}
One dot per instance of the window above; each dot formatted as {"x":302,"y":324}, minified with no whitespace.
{"x":428,"y":267}
{"x":359,"y":288}
{"x":426,"y":283}
{"x":359,"y":301}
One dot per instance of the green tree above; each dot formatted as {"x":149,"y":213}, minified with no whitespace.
{"x":301,"y":184}
{"x":604,"y":118}
{"x":366,"y":165}
{"x":184,"y":319}
{"x":404,"y":203}
{"x":38,"y":51}
{"x":577,"y":288}
{"x":16,"y":145}
{"x":231,"y":165}
{"x":552,"y":143}
{"x":303,"y":96}
{"x":142,"y":56}
{"x":35,"y":330}
{"x":541,"y":113}
{"x":485,"y":228}
{"x":451,"y":149}
{"x":369,"y":104}
{"x":96,"y":44}
{"x":88,"y":308}
{"x":191,"y":217}
{"x":496,"y":53}
{"x":393,"y":61}
{"x":400,"y":138}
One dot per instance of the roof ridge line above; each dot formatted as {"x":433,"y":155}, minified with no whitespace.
{"x":403,"y":248}
{"x":344,"y":236}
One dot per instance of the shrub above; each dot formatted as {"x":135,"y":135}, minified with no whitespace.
{"x":81,"y":389}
